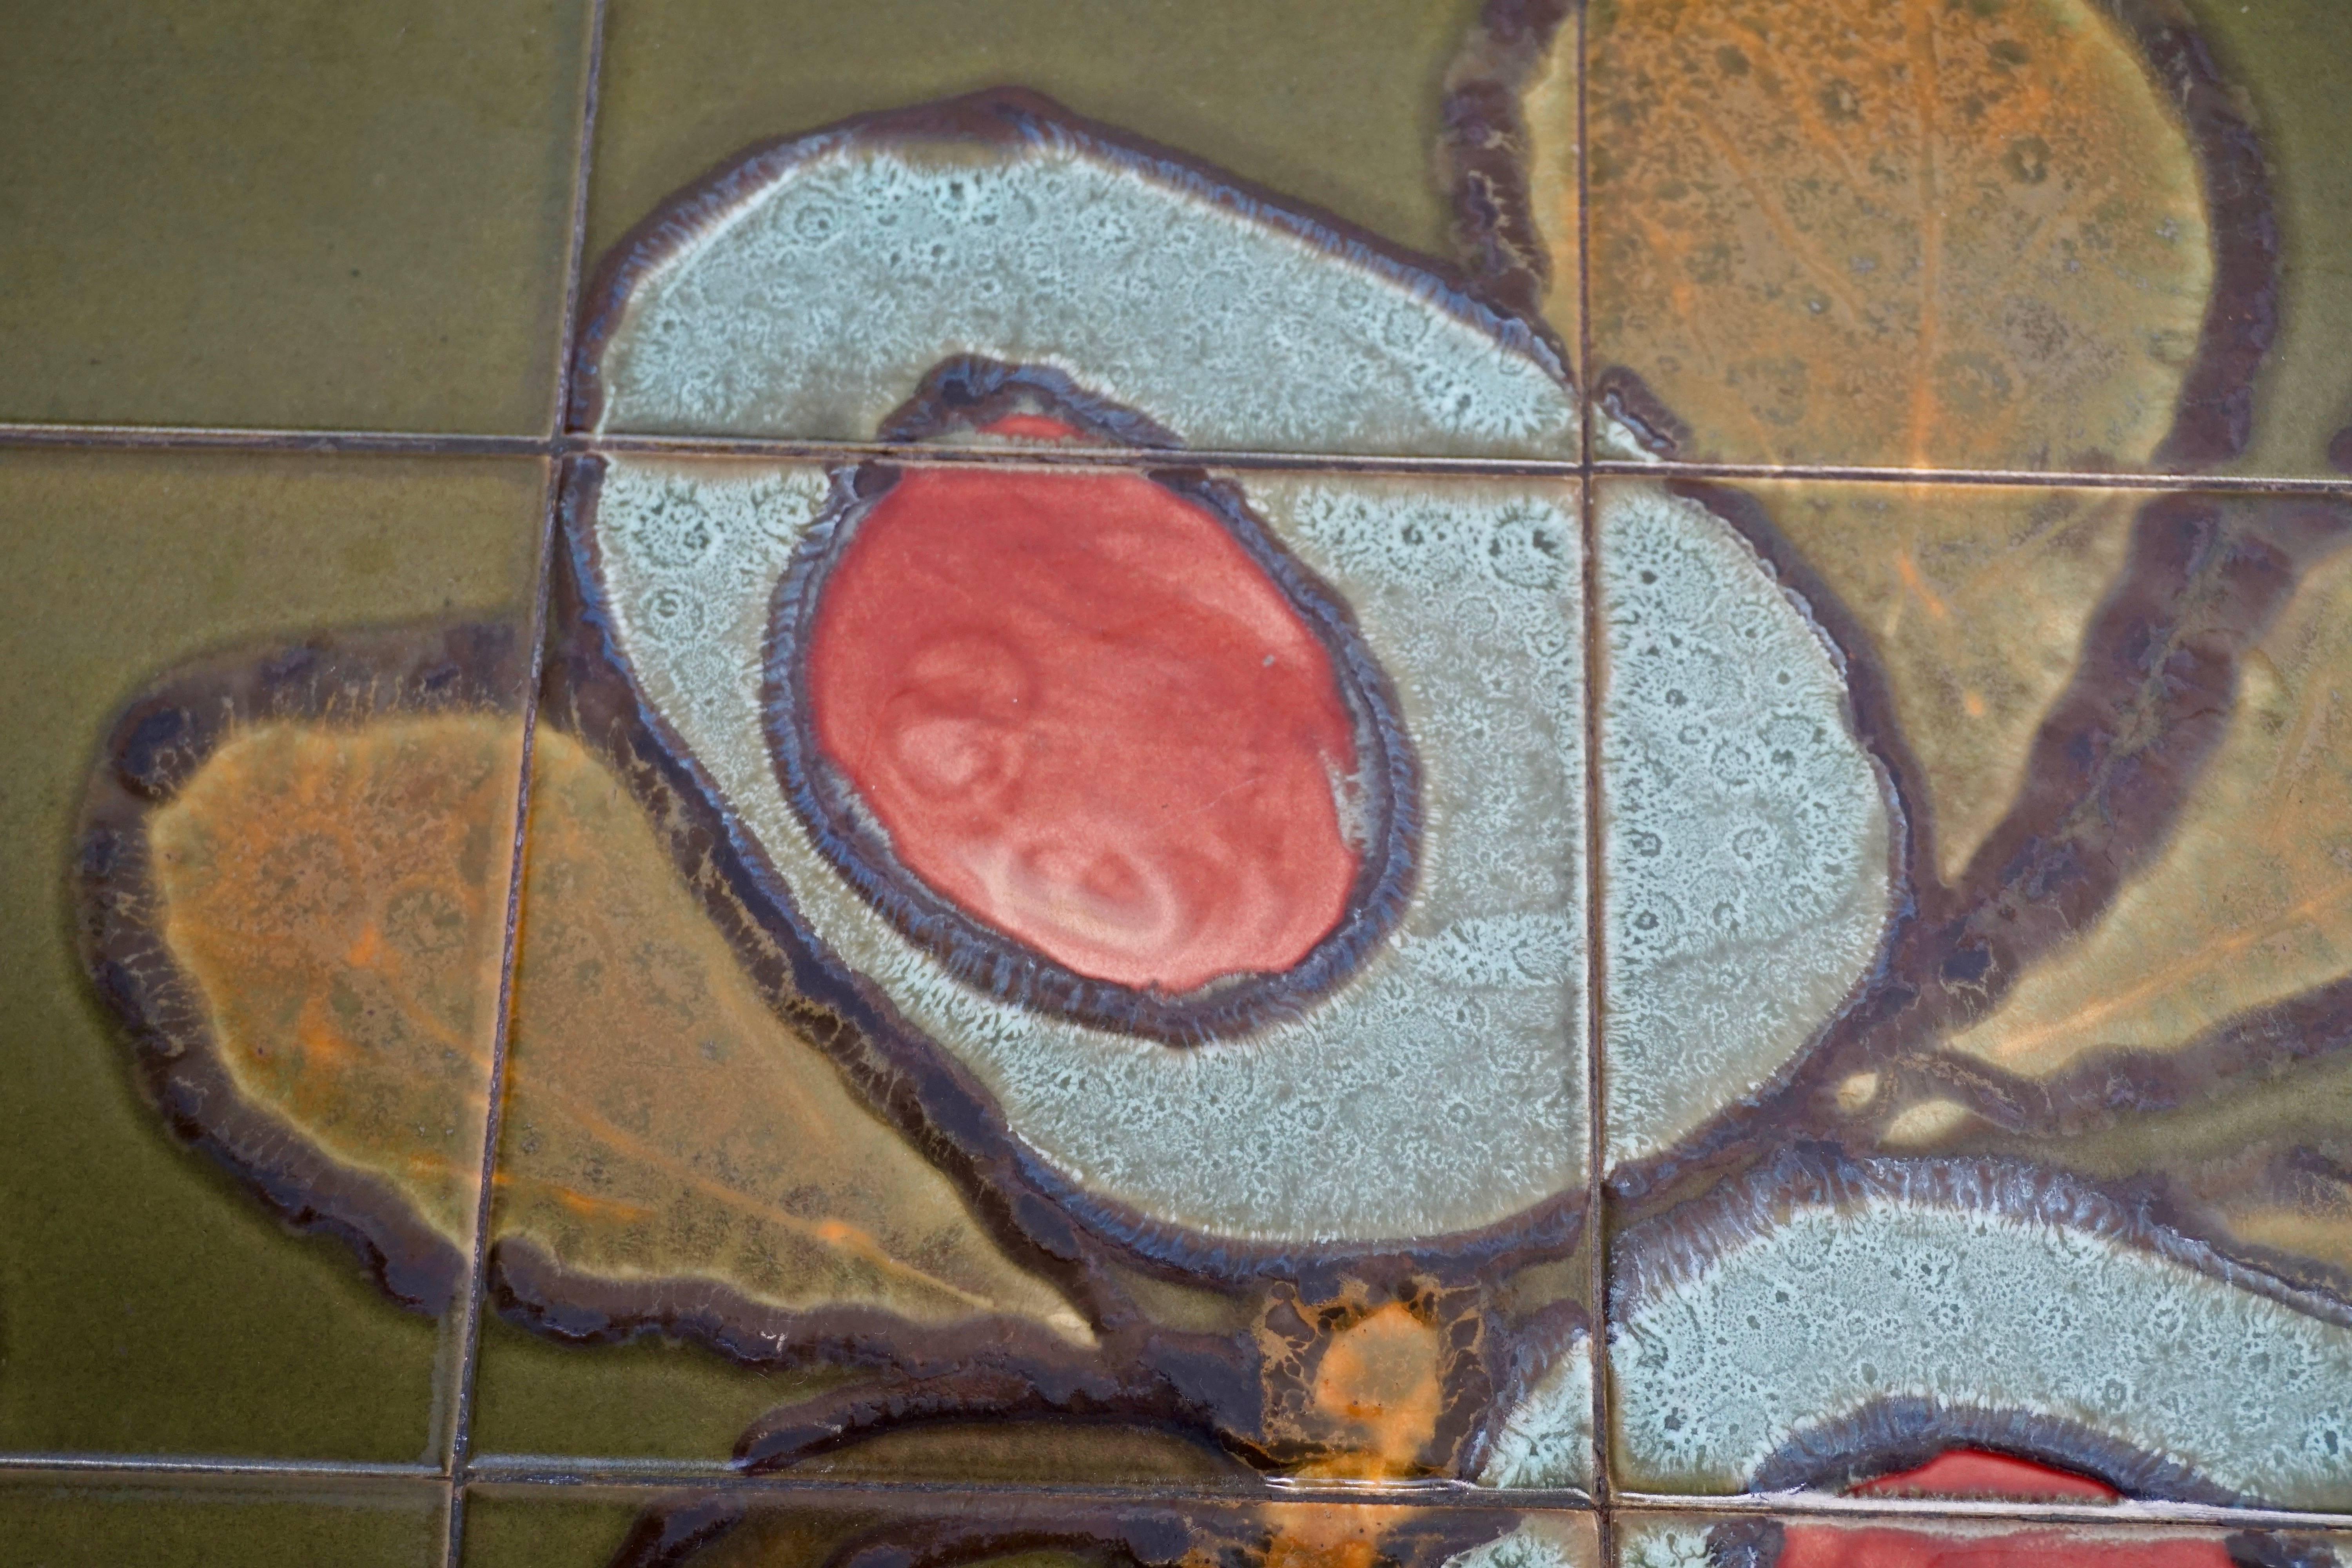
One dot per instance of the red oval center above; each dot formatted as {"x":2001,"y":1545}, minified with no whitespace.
{"x":1088,"y":719}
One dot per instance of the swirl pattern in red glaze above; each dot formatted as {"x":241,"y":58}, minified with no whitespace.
{"x":1087,"y":716}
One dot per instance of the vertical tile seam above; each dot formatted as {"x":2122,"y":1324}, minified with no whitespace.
{"x":458,"y":1453}
{"x":1596,"y":915}
{"x":1602,"y":1487}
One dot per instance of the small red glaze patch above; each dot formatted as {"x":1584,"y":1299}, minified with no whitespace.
{"x":1031,"y":427}
{"x":1972,"y":1473}
{"x":1088,"y":719}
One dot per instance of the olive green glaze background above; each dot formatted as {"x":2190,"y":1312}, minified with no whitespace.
{"x":294,"y":213}
{"x":511,"y":1528}
{"x":2293,"y":61}
{"x":197,"y":1523}
{"x":1333,"y":102}
{"x":146,"y":1304}
{"x":652,"y":1399}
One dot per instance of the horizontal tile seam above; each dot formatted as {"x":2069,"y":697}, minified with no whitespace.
{"x":657,"y":1477}
{"x":1958,"y":1509}
{"x":428,"y":444}
{"x":214,"y":1465}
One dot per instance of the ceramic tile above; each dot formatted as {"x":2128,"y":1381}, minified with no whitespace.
{"x":959,"y":1104}
{"x":1760,"y":1541}
{"x":263,"y":736}
{"x":517,"y":1525}
{"x":2084,"y":237}
{"x":307,"y":216}
{"x":2053,"y":1160}
{"x":813,"y":285}
{"x":56,"y":1522}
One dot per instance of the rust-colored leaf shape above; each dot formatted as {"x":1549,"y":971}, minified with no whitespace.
{"x":1975,"y":600}
{"x":1907,"y":232}
{"x":663,"y":1124}
{"x":290,"y":884}
{"x":2249,"y":903}
{"x":337,"y":896}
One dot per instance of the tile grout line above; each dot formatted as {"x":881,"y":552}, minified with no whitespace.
{"x":1596,"y":1128}
{"x":208,"y":438}
{"x":460,"y":1433}
{"x":459,"y":1453}
{"x":785,"y":449}
{"x":458,"y":1470}
{"x":655,"y":1480}
{"x":64,"y":1465}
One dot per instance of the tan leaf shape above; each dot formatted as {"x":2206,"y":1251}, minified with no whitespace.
{"x":2249,"y":903}
{"x":1886,"y":232}
{"x":664,"y":1123}
{"x":337,"y":896}
{"x":1975,"y":600}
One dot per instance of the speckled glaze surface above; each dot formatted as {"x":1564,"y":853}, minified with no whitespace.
{"x":1484,"y":783}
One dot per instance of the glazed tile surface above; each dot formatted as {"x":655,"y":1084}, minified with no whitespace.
{"x":1474,"y":783}
{"x":650,"y":1531}
{"x":313,"y":218}
{"x":190,"y":1521}
{"x":812,"y":289}
{"x":1672,"y":1541}
{"x":218,"y":1332}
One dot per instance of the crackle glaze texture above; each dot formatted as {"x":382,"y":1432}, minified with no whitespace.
{"x":1545,"y":1439}
{"x":1736,"y":1334}
{"x":1440,"y":1088}
{"x":1746,"y":830}
{"x":834,"y":275}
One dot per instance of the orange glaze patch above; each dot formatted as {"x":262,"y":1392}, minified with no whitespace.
{"x":1087,"y":716}
{"x":1379,"y":1390}
{"x":1972,"y":1473}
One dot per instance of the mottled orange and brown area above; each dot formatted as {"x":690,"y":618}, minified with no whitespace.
{"x":1323,"y":1535}
{"x":1883,"y":232}
{"x":664,"y":1122}
{"x":337,"y":897}
{"x":1358,"y":1386}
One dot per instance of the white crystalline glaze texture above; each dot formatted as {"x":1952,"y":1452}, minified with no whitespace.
{"x":815,"y":305}
{"x":1542,"y":1541}
{"x":1747,"y":831}
{"x":1833,"y":1307}
{"x":1546,"y":1439}
{"x":1442,"y":1087}
{"x":1649,"y":1544}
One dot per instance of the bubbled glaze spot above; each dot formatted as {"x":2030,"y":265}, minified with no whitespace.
{"x":1748,"y":838}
